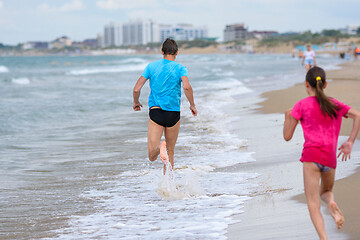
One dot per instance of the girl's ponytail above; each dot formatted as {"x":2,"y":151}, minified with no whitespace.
{"x":316,"y":77}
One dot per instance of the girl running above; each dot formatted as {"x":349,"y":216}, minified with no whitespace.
{"x":320,"y":118}
{"x":309,"y":58}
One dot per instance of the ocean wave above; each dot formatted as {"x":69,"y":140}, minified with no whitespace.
{"x":225,"y":87}
{"x":123,"y":68}
{"x":132,"y":60}
{"x":21,"y":81}
{"x":226,"y":74}
{"x":3,"y":69}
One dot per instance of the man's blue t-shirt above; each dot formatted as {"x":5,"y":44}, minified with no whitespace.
{"x":165,"y":84}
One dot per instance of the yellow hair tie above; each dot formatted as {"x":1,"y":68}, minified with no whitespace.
{"x":318,"y":78}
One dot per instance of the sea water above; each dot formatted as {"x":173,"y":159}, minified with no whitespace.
{"x":73,"y":153}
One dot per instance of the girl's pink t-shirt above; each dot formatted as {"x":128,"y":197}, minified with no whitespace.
{"x":321,"y":132}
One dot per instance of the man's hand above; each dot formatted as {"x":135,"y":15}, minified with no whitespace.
{"x":137,"y":106}
{"x":193,"y":110}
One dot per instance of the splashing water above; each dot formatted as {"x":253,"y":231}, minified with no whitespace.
{"x":171,"y":189}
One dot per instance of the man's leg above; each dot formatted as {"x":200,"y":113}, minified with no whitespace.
{"x":327,"y":184}
{"x":171,"y":135}
{"x":311,"y":185}
{"x":155,"y":132}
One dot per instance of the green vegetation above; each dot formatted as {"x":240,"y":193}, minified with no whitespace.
{"x":327,"y":35}
{"x":10,"y":47}
{"x":238,"y":42}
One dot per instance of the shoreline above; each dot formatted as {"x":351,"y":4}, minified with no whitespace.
{"x":346,"y":89}
{"x":219,"y":49}
{"x":344,"y":84}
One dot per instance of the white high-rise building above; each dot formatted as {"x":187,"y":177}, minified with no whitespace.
{"x":113,"y":34}
{"x":352,"y":29}
{"x":140,"y":32}
{"x":182,"y":32}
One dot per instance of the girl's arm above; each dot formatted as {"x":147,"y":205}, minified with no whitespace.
{"x":289,"y":125}
{"x":314,"y":60}
{"x":346,"y":147}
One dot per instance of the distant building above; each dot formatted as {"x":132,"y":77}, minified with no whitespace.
{"x":36,"y":45}
{"x":113,"y":34}
{"x":350,"y":29}
{"x":87,"y":43}
{"x":235,"y":32}
{"x":61,"y":42}
{"x":140,"y":32}
{"x":99,"y":40}
{"x":185,"y":32}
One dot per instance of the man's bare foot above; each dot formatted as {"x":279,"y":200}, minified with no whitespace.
{"x":163,"y":152}
{"x":336,"y":214}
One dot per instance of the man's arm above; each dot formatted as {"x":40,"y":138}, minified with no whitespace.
{"x":136,"y":93}
{"x":189,"y":94}
{"x":289,"y":125}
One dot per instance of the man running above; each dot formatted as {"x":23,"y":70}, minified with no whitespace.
{"x":165,"y":78}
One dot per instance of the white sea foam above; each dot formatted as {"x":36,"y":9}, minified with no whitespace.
{"x":21,"y":81}
{"x":188,"y":203}
{"x":3,"y":69}
{"x":170,"y":188}
{"x":120,"y":68}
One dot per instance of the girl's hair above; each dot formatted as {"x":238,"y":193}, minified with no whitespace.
{"x":169,"y":47}
{"x":316,"y":77}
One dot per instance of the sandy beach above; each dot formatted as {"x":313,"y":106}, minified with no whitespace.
{"x":276,"y":213}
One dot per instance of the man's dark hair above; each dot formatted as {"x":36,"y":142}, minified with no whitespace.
{"x":169,"y":47}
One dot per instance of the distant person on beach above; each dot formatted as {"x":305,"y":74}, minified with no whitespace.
{"x":309,"y":58}
{"x":320,"y":118}
{"x":301,"y":54}
{"x":356,"y":52}
{"x":165,"y":77}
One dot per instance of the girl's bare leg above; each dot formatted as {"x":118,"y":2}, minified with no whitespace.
{"x":311,"y":184}
{"x":327,"y":184}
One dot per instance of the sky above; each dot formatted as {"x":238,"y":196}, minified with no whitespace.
{"x":45,"y":20}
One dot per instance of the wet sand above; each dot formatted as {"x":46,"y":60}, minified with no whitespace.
{"x":274,"y":212}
